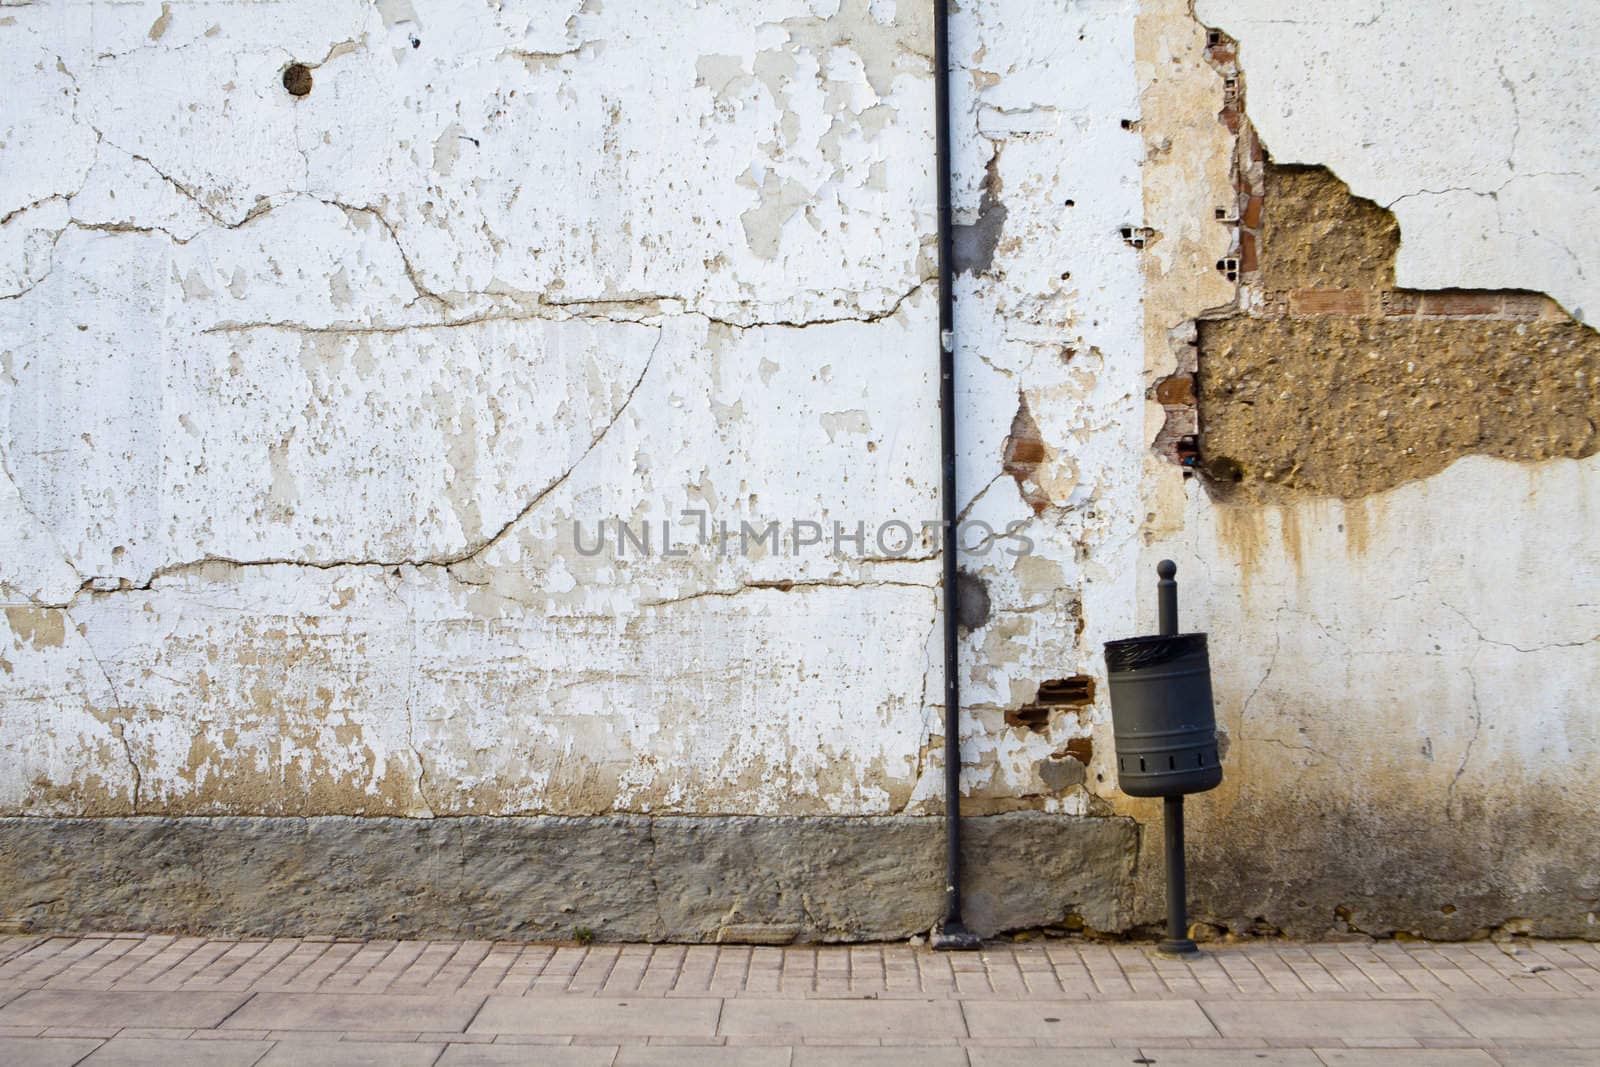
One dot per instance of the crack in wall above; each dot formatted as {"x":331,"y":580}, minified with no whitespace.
{"x":1466,"y":753}
{"x":925,"y":736}
{"x":446,"y":562}
{"x":118,"y":729}
{"x":784,"y":585}
{"x":641,"y":310}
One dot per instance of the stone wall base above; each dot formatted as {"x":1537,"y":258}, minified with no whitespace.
{"x":622,"y":878}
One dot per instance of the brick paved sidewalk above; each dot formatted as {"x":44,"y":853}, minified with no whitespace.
{"x":108,"y":1000}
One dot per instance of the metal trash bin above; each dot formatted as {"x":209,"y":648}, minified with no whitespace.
{"x":1162,"y":715}
{"x":1165,"y":728}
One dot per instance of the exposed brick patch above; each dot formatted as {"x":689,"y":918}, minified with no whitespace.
{"x":1176,"y":389}
{"x":1178,"y":439}
{"x":1324,"y":377}
{"x":1022,"y":453}
{"x":1329,"y":302}
{"x":1329,"y":380}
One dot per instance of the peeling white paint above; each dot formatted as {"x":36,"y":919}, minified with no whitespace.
{"x":301,"y":398}
{"x":1468,"y":119}
{"x":306,"y":394}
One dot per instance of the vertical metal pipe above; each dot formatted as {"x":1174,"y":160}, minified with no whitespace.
{"x":952,"y":933}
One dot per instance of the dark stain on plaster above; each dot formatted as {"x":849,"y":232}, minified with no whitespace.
{"x":973,"y":245}
{"x":1061,"y":774}
{"x":972,"y":601}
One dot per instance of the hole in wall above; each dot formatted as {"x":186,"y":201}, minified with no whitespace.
{"x":1075,"y":691}
{"x":1223,"y":469}
{"x":1056,"y":694}
{"x":1035,"y":717}
{"x":297,"y":79}
{"x":1136,"y":236}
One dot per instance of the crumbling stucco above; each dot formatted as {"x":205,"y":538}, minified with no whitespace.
{"x":1334,"y":382}
{"x":306,"y":380}
{"x":320,"y":346}
{"x":1464,"y":117}
{"x":1398,"y":676}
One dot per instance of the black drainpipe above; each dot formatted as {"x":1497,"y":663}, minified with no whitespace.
{"x":951,"y":933}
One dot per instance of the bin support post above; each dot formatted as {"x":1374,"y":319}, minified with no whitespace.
{"x":1177,"y":942}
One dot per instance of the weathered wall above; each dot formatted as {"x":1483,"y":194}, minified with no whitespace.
{"x":306,"y":392}
{"x":1389,"y":534}
{"x":322,"y":325}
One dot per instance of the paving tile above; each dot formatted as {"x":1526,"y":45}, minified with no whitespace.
{"x":1417,"y":1057}
{"x":44,"y":1051}
{"x":1340,"y":1019}
{"x":843,"y":1018}
{"x":1509,"y":1018}
{"x":1217,"y":1057}
{"x":354,"y":1011}
{"x":352,"y":1054}
{"x":702,"y":1056}
{"x":1546,"y":1057}
{"x":147,"y":1052}
{"x":1070,"y":1020}
{"x":531,"y":1039}
{"x":841,"y":1056}
{"x":1166,"y":1057}
{"x":605,"y":1017}
{"x":527,"y":1056}
{"x":118,"y":1008}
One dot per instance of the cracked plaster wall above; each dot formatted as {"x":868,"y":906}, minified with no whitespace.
{"x":1403,"y":675}
{"x":302,"y":395}
{"x":1467,"y":118}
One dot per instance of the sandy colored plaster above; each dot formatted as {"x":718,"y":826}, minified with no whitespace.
{"x":1373,"y":689}
{"x":1414,"y":728}
{"x":1337,"y":383}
